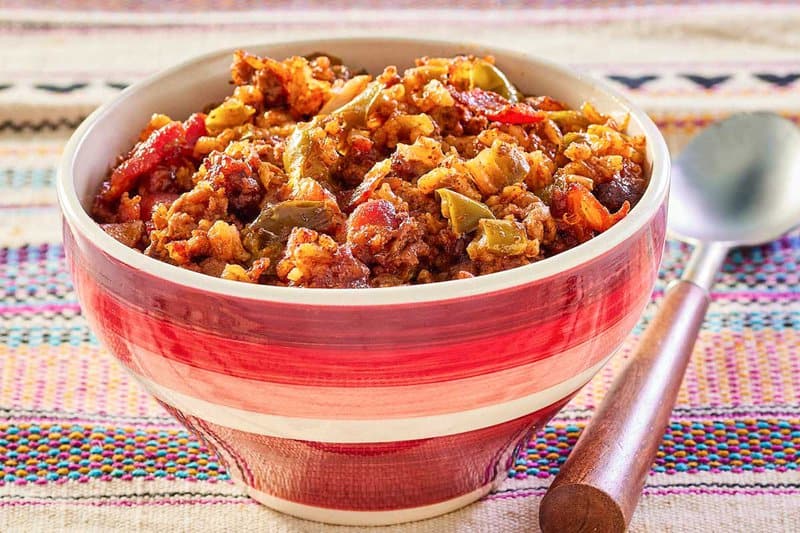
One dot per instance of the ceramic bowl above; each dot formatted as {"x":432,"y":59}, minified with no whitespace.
{"x":360,"y":406}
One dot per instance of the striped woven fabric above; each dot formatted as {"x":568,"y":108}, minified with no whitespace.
{"x":83,"y":447}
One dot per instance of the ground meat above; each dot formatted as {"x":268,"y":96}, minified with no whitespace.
{"x":128,"y":233}
{"x":490,"y":263}
{"x":267,"y":76}
{"x":459,"y":120}
{"x":446,"y":248}
{"x":240,"y":182}
{"x":412,"y":161}
{"x":179,"y":234}
{"x":329,"y":68}
{"x":316,"y":260}
{"x":130,"y":209}
{"x":361,"y":157}
{"x":513,"y":200}
{"x":417,"y":202}
{"x":386,"y":241}
{"x":545,"y":103}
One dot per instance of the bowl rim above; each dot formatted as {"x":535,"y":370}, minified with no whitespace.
{"x":655,"y":195}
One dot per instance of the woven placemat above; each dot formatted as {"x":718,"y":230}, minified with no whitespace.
{"x":83,"y":448}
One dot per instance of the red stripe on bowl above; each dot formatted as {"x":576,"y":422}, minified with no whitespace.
{"x":367,"y":401}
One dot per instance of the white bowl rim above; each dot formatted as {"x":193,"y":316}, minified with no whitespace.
{"x":651,"y":201}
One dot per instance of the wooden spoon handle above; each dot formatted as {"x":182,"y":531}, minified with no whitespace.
{"x":600,"y":483}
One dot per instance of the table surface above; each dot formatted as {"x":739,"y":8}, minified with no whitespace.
{"x":83,"y":448}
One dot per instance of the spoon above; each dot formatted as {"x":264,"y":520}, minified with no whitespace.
{"x":735,"y":184}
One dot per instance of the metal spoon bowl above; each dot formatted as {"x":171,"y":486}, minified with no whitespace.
{"x":736,"y":184}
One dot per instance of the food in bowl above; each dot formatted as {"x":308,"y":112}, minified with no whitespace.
{"x":360,"y":406}
{"x":314,"y":175}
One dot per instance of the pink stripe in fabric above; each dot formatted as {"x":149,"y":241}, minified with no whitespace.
{"x":734,"y":295}
{"x":538,"y":492}
{"x":53,"y":308}
{"x":146,"y":501}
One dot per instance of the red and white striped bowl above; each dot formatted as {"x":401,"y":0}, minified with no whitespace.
{"x":362,"y":406}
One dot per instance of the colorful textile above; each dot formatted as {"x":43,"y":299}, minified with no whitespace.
{"x":82,"y":447}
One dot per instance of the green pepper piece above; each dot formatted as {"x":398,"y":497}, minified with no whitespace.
{"x":462,"y":212}
{"x":354,"y":113}
{"x":501,"y":237}
{"x":497,"y":166}
{"x":573,"y":136}
{"x":300,"y":160}
{"x":275,"y":222}
{"x":261,"y":246}
{"x":569,"y":118}
{"x":231,"y":112}
{"x":299,"y":157}
{"x":546,"y":193}
{"x":488,"y":77}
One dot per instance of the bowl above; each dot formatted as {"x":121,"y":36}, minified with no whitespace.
{"x":360,"y":406}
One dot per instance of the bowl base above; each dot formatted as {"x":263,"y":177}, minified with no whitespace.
{"x":345,"y":517}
